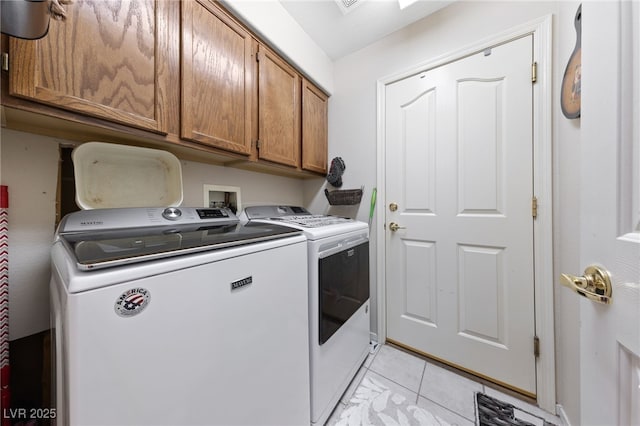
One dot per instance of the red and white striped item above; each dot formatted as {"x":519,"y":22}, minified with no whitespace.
{"x":5,"y":396}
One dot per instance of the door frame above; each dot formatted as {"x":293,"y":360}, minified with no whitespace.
{"x":541,"y":29}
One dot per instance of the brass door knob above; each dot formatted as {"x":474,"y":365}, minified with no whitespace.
{"x":595,"y":284}
{"x":394,"y":226}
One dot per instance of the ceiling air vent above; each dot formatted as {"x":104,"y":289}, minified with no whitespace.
{"x":347,"y":6}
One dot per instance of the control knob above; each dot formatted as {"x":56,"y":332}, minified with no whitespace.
{"x":171,"y":213}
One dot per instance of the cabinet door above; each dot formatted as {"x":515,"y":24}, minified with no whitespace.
{"x":216,"y":78}
{"x":108,"y":59}
{"x":314,"y":128}
{"x":278,"y":110}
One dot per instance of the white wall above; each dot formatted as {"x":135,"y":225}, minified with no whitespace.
{"x":29,"y":165}
{"x":352,"y":136}
{"x":255,"y":188}
{"x":30,"y":170}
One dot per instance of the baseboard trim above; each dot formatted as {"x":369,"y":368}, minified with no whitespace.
{"x":563,"y":415}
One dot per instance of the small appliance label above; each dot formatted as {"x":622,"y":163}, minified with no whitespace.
{"x":132,"y":302}
{"x":91,"y":222}
{"x":241,"y":283}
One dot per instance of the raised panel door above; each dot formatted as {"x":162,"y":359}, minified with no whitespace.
{"x":314,"y":128}
{"x":459,"y":165}
{"x":217,"y":78}
{"x":278,"y":110}
{"x":609,"y":213}
{"x":108,"y":59}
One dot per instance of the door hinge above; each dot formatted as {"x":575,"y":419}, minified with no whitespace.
{"x":534,"y":72}
{"x":534,"y":207}
{"x":536,"y":346}
{"x":257,"y":56}
{"x":258,"y":144}
{"x":5,"y":61}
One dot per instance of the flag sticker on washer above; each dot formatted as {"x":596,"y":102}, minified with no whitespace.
{"x":132,"y":302}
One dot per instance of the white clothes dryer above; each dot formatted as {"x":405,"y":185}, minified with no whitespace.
{"x":339,"y":330}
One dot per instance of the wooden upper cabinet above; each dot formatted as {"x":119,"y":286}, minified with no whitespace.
{"x":186,"y":70}
{"x":314,"y":128}
{"x":108,"y":59}
{"x":278,"y":109}
{"x":217,"y":78}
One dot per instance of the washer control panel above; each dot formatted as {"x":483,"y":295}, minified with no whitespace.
{"x":123,"y":218}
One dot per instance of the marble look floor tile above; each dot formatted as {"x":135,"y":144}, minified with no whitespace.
{"x":399,"y":366}
{"x":335,"y":416}
{"x":522,"y":405}
{"x":449,"y":416}
{"x":353,"y":385}
{"x":450,"y":390}
{"x":393,"y":386}
{"x":382,"y":402}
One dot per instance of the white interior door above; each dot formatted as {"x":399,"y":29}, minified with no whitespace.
{"x":610,"y":212}
{"x":459,"y":167}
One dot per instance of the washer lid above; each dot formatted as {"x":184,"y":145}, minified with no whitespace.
{"x":125,"y":246}
{"x":112,"y":176}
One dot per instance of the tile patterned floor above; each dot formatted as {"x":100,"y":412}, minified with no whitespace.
{"x":443,"y":393}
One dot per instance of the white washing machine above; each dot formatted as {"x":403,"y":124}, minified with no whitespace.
{"x":338,"y":253}
{"x":179,"y":316}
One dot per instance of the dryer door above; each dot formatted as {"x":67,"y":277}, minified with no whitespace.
{"x":343,"y":285}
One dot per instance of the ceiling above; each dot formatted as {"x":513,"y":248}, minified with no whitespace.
{"x":367,"y":21}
